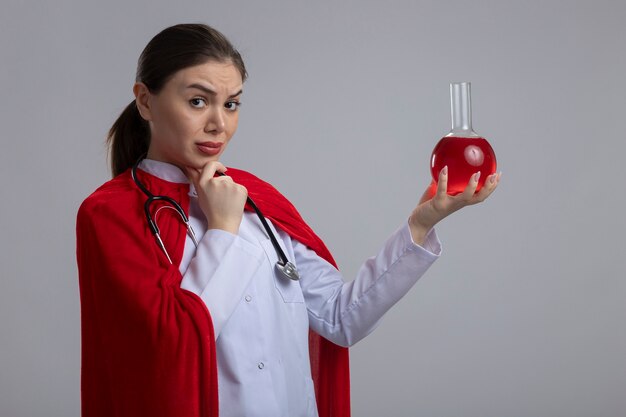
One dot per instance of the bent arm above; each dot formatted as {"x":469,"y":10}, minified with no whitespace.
{"x":344,"y":313}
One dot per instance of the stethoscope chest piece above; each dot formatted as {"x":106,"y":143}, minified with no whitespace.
{"x":288,"y":270}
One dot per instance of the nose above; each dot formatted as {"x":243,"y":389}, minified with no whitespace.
{"x":216,"y":121}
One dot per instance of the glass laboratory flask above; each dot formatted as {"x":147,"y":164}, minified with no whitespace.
{"x":462,"y":150}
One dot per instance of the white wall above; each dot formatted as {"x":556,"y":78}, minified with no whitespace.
{"x":524,"y":313}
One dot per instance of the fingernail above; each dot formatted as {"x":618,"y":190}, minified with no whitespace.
{"x":477,"y":176}
{"x":444,"y":171}
{"x":492,"y":180}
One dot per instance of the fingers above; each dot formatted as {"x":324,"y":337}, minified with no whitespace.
{"x":207,"y":181}
{"x":209,"y":170}
{"x":442,"y":182}
{"x":221,"y":199}
{"x":470,"y":196}
{"x":470,"y":189}
{"x":203,"y":175}
{"x":489,"y":187}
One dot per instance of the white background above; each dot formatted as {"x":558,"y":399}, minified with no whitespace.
{"x":524,"y":313}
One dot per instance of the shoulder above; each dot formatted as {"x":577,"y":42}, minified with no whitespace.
{"x":113,"y":195}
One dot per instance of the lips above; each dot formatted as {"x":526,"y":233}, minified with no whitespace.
{"x":210,"y":148}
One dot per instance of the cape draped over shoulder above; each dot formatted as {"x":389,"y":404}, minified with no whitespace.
{"x":148,"y":346}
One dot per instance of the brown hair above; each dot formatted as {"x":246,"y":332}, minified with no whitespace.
{"x":173,"y":49}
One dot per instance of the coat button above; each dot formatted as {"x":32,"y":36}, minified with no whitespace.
{"x":248,"y":298}
{"x":261,"y":365}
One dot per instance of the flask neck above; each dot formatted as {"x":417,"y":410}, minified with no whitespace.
{"x":461,"y":110}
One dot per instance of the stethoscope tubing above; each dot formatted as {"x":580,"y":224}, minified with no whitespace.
{"x":279,"y":251}
{"x":283,"y":265}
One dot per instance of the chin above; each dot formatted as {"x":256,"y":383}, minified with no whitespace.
{"x":199,"y":161}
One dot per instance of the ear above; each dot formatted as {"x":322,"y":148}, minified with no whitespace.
{"x":142,"y":100}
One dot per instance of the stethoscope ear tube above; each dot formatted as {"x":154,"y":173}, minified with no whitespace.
{"x":153,"y":226}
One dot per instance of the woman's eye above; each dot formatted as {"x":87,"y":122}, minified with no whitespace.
{"x":232,"y":105}
{"x":197,"y":102}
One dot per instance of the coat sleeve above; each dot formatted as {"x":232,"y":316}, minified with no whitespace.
{"x":147,"y":345}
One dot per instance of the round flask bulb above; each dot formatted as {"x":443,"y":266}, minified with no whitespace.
{"x":463,"y":157}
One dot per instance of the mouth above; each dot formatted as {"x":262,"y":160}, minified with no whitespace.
{"x":210,"y":148}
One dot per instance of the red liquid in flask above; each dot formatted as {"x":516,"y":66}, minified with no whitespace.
{"x":464,"y":157}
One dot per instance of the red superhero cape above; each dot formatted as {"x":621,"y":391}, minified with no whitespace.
{"x":148,"y":347}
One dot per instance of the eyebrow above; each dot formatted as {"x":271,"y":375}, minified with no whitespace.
{"x":211,"y":92}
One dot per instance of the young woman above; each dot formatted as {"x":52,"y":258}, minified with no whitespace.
{"x":230,"y":309}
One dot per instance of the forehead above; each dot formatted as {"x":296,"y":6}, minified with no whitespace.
{"x":216,"y":74}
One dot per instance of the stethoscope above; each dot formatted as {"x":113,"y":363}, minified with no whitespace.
{"x":283,"y":265}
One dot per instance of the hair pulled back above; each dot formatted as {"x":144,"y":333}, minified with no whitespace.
{"x":173,"y":49}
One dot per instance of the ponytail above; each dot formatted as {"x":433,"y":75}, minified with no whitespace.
{"x":128,"y":139}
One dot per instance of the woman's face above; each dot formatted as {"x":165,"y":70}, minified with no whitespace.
{"x":194,"y":115}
